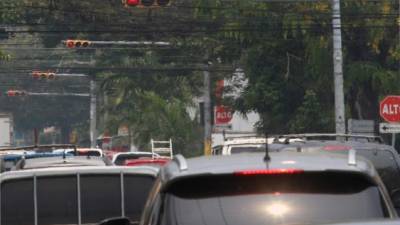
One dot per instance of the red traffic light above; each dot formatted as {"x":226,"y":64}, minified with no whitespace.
{"x":43,"y":75}
{"x":70,"y":44}
{"x":132,"y":2}
{"x":146,"y":3}
{"x":10,"y":93}
{"x":35,"y":74}
{"x":77,"y":43}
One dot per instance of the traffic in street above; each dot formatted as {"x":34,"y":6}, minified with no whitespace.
{"x":199,"y":112}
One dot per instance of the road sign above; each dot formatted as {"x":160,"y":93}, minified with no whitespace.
{"x":390,"y":108}
{"x":362,"y":127}
{"x":389,"y":128}
{"x":223,"y":115}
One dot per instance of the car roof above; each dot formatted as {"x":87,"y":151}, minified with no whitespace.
{"x":315,"y":161}
{"x":355,"y":144}
{"x":33,"y":155}
{"x":67,"y":161}
{"x":62,"y":171}
{"x":251,"y":140}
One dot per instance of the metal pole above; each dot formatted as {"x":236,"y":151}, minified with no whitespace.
{"x":338,"y":68}
{"x":93,"y":113}
{"x":59,"y":94}
{"x":207,"y":113}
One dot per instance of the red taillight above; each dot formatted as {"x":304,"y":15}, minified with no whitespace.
{"x":268,"y":172}
{"x":336,"y":148}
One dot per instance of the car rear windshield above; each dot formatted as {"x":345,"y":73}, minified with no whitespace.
{"x":57,"y":199}
{"x":120,"y":160}
{"x":247,"y":149}
{"x":272,"y":199}
{"x":88,"y":153}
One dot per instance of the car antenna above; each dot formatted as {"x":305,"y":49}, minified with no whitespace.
{"x":267,"y":157}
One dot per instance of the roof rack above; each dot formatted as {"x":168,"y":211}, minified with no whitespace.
{"x":317,"y":136}
{"x":181,"y":161}
{"x":243,"y":137}
{"x":164,"y":147}
{"x":39,"y":148}
{"x":352,"y":160}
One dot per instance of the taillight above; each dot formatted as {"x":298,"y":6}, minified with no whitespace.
{"x":336,"y":148}
{"x":268,"y":172}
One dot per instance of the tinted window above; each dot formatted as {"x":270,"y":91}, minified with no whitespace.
{"x":120,"y":160}
{"x":101,"y":197}
{"x":244,"y":149}
{"x":137,"y":189}
{"x":17,"y":202}
{"x":57,"y":200}
{"x":89,"y":153}
{"x":275,"y":199}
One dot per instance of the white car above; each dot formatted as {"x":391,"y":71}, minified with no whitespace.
{"x":74,"y":195}
{"x":246,"y":144}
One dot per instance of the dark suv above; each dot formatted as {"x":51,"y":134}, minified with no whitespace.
{"x":384,"y":157}
{"x":291,"y":188}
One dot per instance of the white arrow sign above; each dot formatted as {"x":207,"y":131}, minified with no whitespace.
{"x":389,"y":128}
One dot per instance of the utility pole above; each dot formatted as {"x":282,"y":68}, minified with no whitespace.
{"x":93,"y":113}
{"x":207,"y":112}
{"x":398,"y":47}
{"x":338,"y":68}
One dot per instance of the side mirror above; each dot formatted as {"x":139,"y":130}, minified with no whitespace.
{"x":117,"y":221}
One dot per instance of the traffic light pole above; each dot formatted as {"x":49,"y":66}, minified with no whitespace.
{"x":93,"y":113}
{"x":207,"y":112}
{"x":338,"y":68}
{"x":58,"y":94}
{"x":87,"y":43}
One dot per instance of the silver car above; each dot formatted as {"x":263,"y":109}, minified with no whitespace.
{"x":74,"y":195}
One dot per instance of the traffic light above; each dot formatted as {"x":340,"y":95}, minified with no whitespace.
{"x":146,"y":3}
{"x":77,"y":43}
{"x":43,"y":75}
{"x":15,"y":93}
{"x":131,"y":2}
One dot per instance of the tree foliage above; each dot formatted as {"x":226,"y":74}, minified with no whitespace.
{"x":284,"y":48}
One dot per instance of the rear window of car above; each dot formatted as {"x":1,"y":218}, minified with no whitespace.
{"x":17,"y":202}
{"x":57,"y":199}
{"x":101,"y":197}
{"x":271,"y":199}
{"x":88,"y":153}
{"x":247,"y":149}
{"x":120,"y":160}
{"x":137,"y":189}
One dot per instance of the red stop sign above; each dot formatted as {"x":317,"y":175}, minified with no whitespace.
{"x":390,"y":108}
{"x":223,"y":115}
